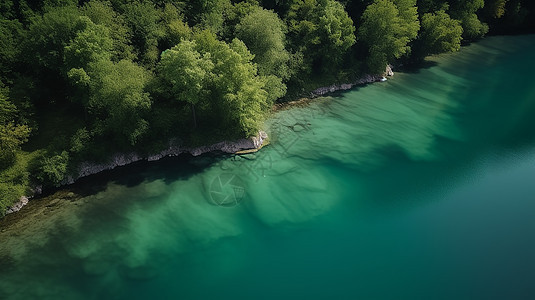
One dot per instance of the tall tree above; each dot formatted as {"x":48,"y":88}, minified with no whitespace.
{"x":144,"y":20}
{"x":89,"y":45}
{"x":219,"y":79}
{"x":321,"y":30}
{"x":50,"y":33}
{"x":102,"y":13}
{"x":264,"y":34}
{"x":440,"y":33}
{"x":118,"y":101}
{"x":386,"y":32}
{"x":465,"y":11}
{"x":186,"y":73}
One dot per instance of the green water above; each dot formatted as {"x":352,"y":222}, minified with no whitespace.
{"x":421,"y":187}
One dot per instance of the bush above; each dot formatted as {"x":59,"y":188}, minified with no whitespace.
{"x":52,"y":170}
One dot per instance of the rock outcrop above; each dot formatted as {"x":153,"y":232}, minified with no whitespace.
{"x":18,"y":205}
{"x":388,"y":71}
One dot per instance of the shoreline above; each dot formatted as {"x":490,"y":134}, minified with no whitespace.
{"x":241,"y":146}
{"x":88,"y":168}
{"x":322,"y":91}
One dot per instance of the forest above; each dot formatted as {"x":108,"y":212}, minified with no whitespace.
{"x":80,"y":80}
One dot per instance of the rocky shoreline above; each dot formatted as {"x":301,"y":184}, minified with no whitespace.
{"x":122,"y":159}
{"x":346,"y":86}
{"x":253,"y":143}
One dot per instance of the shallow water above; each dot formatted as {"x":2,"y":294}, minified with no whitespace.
{"x":421,"y":187}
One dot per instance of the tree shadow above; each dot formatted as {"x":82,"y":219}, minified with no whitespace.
{"x":417,"y":67}
{"x":167,"y":169}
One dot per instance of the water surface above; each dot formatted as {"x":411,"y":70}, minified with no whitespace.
{"x":421,"y":187}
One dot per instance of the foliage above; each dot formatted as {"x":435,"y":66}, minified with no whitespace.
{"x":102,"y":13}
{"x":465,"y":11}
{"x":186,"y":73}
{"x":79,"y":140}
{"x":118,"y":101}
{"x":386,"y":32}
{"x":50,"y":33}
{"x":207,"y":14}
{"x":15,"y":180}
{"x":495,"y":8}
{"x":321,"y":30}
{"x":217,"y":77}
{"x":473,"y":28}
{"x":143,"y":18}
{"x":54,"y":168}
{"x":174,"y":27}
{"x":12,"y":135}
{"x":440,"y":33}
{"x":89,"y":45}
{"x":264,"y":34}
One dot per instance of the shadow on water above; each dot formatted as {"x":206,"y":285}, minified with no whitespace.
{"x":168,"y":169}
{"x":44,"y":238}
{"x":418,"y":67}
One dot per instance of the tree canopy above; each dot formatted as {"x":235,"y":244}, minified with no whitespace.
{"x":387,"y":32}
{"x":440,"y":33}
{"x":320,"y":29}
{"x":263,"y":32}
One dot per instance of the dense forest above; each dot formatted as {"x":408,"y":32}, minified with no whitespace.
{"x":82,"y":79}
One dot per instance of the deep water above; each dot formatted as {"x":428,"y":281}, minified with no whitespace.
{"x":421,"y":187}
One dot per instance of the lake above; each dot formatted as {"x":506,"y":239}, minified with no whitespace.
{"x":420,"y":187}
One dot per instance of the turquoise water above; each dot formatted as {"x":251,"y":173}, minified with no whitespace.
{"x":421,"y":187}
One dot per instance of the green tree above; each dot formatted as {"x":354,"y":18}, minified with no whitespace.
{"x":264,"y":34}
{"x":465,"y":11}
{"x":50,"y":33}
{"x":495,"y":8}
{"x":321,"y":30}
{"x":102,"y":13}
{"x":473,"y":28}
{"x":236,"y":89}
{"x":220,"y":79}
{"x":408,"y":14}
{"x":430,"y":6}
{"x":52,"y":169}
{"x":144,"y":20}
{"x":186,"y":72}
{"x":174,"y":26}
{"x":440,"y":33}
{"x":12,"y":135}
{"x":386,"y":33}
{"x":207,"y":14}
{"x":118,"y":101}
{"x":89,"y":45}
{"x":7,"y":9}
